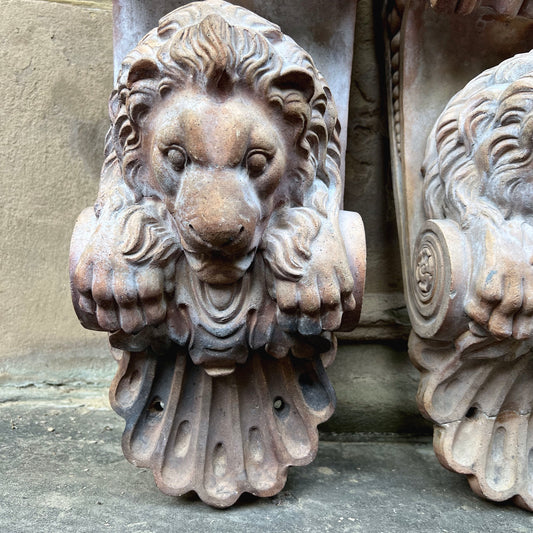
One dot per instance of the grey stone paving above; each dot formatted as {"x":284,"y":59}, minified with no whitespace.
{"x":62,"y":470}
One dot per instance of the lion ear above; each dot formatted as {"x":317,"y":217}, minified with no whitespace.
{"x":297,"y":79}
{"x":141,"y":70}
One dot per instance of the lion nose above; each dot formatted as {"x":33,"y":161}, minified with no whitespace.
{"x":216,"y":236}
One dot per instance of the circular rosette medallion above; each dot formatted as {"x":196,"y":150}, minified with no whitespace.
{"x":439,"y":280}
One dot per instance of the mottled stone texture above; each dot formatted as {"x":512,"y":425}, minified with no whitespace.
{"x":368,"y":187}
{"x":53,"y":57}
{"x":75,"y":479}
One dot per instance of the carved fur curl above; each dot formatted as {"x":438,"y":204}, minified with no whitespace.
{"x":216,"y":55}
{"x":479,"y":155}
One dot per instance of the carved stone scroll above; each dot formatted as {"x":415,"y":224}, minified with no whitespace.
{"x":466,"y":202}
{"x":217,"y":255}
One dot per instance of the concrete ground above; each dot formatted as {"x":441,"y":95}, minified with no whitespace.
{"x":62,"y":470}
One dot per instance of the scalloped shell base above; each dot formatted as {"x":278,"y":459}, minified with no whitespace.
{"x":479,"y":392}
{"x":225,"y":435}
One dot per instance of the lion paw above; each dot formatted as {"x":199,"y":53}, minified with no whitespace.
{"x":317,"y":301}
{"x":314,"y":306}
{"x":123,"y":291}
{"x":502,"y":296}
{"x":119,"y":297}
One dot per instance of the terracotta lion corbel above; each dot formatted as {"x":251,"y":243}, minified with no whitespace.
{"x":217,"y":256}
{"x":472,"y":283}
{"x":460,"y":108}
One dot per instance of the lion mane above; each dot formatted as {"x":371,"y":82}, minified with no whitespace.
{"x":218,"y":54}
{"x":479,"y":155}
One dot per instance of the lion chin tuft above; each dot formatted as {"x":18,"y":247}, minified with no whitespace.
{"x":216,"y":269}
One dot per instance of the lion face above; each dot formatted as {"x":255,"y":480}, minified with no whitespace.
{"x":224,"y":140}
{"x":217,"y":163}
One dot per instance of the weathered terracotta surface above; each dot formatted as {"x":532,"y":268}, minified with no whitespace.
{"x":217,"y":256}
{"x":328,"y":40}
{"x":466,"y":205}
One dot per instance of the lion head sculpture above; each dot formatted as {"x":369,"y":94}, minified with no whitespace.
{"x":223,"y":150}
{"x":478,"y":172}
{"x":214,"y":254}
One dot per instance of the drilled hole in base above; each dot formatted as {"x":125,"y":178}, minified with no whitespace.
{"x":281,"y":408}
{"x":472,"y":413}
{"x":156,"y":406}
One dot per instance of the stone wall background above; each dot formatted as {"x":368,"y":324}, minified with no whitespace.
{"x":57,"y":66}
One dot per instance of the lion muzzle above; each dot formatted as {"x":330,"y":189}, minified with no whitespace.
{"x":219,"y":225}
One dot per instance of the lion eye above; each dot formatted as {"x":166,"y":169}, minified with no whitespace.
{"x":256,"y":163}
{"x":177,"y":157}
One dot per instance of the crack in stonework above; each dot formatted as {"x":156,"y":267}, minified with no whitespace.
{"x":487,"y":417}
